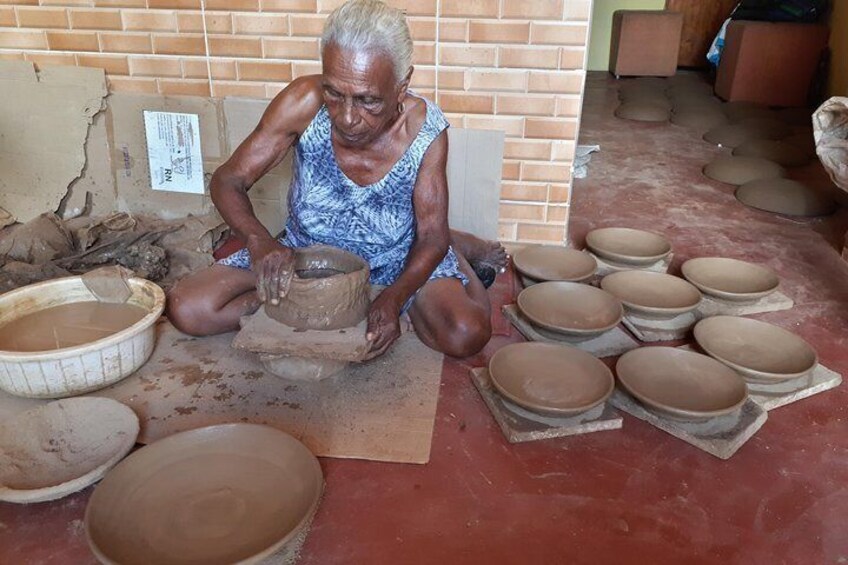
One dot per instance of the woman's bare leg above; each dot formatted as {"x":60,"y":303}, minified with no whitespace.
{"x":212,"y":301}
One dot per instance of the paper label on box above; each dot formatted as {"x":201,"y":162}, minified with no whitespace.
{"x":173,"y":150}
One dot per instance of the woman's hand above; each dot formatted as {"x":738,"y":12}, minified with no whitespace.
{"x":383,"y":324}
{"x":273,"y":264}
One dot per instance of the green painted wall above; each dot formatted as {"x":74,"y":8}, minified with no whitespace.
{"x":838,"y":84}
{"x":599,"y":40}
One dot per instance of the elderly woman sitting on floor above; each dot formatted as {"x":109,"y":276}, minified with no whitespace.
{"x":369,"y":177}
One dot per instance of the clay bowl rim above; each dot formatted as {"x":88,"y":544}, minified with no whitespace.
{"x":527,"y":271}
{"x":301,"y":252}
{"x":626,"y":259}
{"x":673,"y":412}
{"x":273,"y":548}
{"x":687,"y":266}
{"x":539,"y":408}
{"x":568,"y":331}
{"x":60,"y":490}
{"x":756,"y":376}
{"x":655,"y":311}
{"x":137,"y":283}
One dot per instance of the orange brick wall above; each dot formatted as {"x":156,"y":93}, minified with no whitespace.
{"x":514,"y":65}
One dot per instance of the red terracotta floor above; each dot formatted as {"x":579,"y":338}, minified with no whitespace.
{"x":635,"y":495}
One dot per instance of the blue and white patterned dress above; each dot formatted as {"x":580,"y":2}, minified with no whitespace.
{"x":376,"y":222}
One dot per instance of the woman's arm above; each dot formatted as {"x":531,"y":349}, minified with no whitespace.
{"x":286,"y":118}
{"x":432,"y":239}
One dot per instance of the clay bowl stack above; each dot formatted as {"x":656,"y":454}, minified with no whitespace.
{"x":551,"y":380}
{"x":628,"y":246}
{"x":548,"y":263}
{"x":730,"y":279}
{"x":652,"y":295}
{"x":762,"y":353}
{"x":681,"y":385}
{"x":570,"y":310}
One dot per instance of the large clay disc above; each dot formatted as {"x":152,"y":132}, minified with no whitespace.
{"x":550,"y":379}
{"x":738,"y":111}
{"x":651,"y":294}
{"x":641,"y":111}
{"x":762,"y":352}
{"x":782,"y":153}
{"x":62,"y":447}
{"x":733,"y":135}
{"x":730,"y":279}
{"x":627,"y":245}
{"x":701,"y":118}
{"x":771,"y":127}
{"x":785,"y":196}
{"x":232,"y":493}
{"x":570,"y":308}
{"x":740,"y":170}
{"x":647,"y":98}
{"x":681,"y":384}
{"x":549,"y":263}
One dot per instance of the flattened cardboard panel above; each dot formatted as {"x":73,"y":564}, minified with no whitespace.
{"x":475,"y":163}
{"x":49,"y":113}
{"x":97,"y":179}
{"x":129,"y":152}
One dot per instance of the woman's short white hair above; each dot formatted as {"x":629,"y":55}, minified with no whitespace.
{"x":364,"y":25}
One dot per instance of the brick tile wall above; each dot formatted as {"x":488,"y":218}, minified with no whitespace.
{"x":513,"y":65}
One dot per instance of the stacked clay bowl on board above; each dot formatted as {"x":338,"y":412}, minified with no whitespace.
{"x":652,"y":295}
{"x":628,"y":246}
{"x":570,"y":310}
{"x":730,"y":279}
{"x":83,"y":368}
{"x":550,"y":263}
{"x":550,"y":379}
{"x":681,"y":385}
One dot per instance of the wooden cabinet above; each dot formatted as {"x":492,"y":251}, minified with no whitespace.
{"x":701,"y":21}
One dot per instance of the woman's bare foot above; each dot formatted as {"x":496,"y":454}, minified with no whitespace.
{"x":487,"y":258}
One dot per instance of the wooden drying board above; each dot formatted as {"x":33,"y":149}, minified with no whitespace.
{"x":382,"y":411}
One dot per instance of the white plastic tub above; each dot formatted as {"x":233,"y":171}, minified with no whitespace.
{"x":76,"y":370}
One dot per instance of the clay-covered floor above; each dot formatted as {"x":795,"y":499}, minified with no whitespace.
{"x":635,"y":495}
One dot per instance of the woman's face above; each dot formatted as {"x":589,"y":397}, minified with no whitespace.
{"x":361,"y":94}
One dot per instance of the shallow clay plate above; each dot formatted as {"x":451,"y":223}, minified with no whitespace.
{"x":681,"y":384}
{"x":222,"y":494}
{"x":628,"y":246}
{"x":730,"y":279}
{"x":549,"y":263}
{"x":570,"y":308}
{"x":785,"y":196}
{"x":652,"y":294}
{"x":62,"y":447}
{"x":556,"y":380}
{"x":761,"y":352}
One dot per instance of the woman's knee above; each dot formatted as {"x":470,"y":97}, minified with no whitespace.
{"x":185,"y":310}
{"x":465,"y":334}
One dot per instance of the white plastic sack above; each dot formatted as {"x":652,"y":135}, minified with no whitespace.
{"x":830,"y":130}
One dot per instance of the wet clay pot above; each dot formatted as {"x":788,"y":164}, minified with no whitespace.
{"x":329,"y":290}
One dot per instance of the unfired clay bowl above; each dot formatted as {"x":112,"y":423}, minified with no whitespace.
{"x":730,"y":279}
{"x":701,"y":118}
{"x":735,"y":134}
{"x":339,"y":300}
{"x":550,"y":379}
{"x":62,"y":447}
{"x":550,"y":263}
{"x":234,"y":493}
{"x":761,"y":352}
{"x":650,"y":294}
{"x":570,"y":308}
{"x":785,"y":196}
{"x":628,"y":246}
{"x":681,"y":384}
{"x":739,"y":170}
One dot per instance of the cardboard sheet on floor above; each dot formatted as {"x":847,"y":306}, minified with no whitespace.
{"x":46,"y":118}
{"x":383,"y":410}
